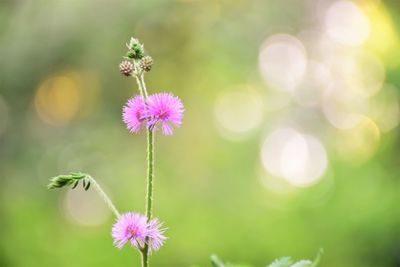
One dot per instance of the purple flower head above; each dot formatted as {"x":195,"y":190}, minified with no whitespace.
{"x":134,"y":114}
{"x":134,"y":228}
{"x":130,"y":227}
{"x":166,"y":109}
{"x":155,"y":235}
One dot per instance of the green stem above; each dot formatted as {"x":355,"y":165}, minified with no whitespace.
{"x":149,"y":194}
{"x":104,"y":196}
{"x":150,"y":173}
{"x":142,"y":86}
{"x":150,"y":170}
{"x":145,"y":258}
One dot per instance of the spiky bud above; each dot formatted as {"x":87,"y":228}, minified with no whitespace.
{"x":132,"y":43}
{"x":136,"y":50}
{"x":126,"y":68}
{"x":146,"y":63}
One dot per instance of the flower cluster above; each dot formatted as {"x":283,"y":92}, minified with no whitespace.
{"x":160,"y":108}
{"x":134,"y":228}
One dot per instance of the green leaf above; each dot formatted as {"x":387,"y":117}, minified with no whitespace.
{"x":281,"y":262}
{"x":67,"y":179}
{"x":79,"y":175}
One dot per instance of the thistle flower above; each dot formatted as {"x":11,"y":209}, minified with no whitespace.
{"x":130,"y":227}
{"x":166,"y":109}
{"x":134,"y":114}
{"x":155,"y":235}
{"x":133,"y":227}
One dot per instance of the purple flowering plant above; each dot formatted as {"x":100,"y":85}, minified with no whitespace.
{"x":143,"y":112}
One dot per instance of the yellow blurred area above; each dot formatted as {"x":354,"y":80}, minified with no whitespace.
{"x":61,"y":98}
{"x":359,"y":143}
{"x":383,"y":38}
{"x":384,"y":108}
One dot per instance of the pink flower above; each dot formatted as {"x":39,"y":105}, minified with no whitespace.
{"x":133,"y":227}
{"x":134,"y":114}
{"x":130,"y":227}
{"x":166,"y":109}
{"x":155,"y":235}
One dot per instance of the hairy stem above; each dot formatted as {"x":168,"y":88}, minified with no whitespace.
{"x":150,"y":173}
{"x":150,"y":170}
{"x":145,"y":258}
{"x":104,"y":196}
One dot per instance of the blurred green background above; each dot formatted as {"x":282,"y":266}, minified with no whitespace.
{"x":289,"y":141}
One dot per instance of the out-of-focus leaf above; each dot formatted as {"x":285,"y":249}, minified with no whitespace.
{"x":318,"y":258}
{"x":281,"y":262}
{"x":216,"y":262}
{"x":302,"y":263}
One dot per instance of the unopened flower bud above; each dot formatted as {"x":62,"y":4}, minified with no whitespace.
{"x":136,"y":50}
{"x":126,"y":68}
{"x":146,"y":63}
{"x":132,"y":43}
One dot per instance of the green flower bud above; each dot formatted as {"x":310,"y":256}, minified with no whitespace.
{"x":132,"y":43}
{"x":136,"y":50}
{"x":131,"y":54}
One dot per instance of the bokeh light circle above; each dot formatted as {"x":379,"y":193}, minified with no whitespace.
{"x":238,"y":112}
{"x":359,"y":71}
{"x":85,"y":207}
{"x":359,"y":143}
{"x":298,"y":158}
{"x":282,"y":62}
{"x":384,"y":108}
{"x":318,"y":78}
{"x":58,"y":100}
{"x":343,"y":107}
{"x":346,"y":23}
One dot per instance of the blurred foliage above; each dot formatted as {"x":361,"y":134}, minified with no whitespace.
{"x":281,"y":262}
{"x":60,"y":111}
